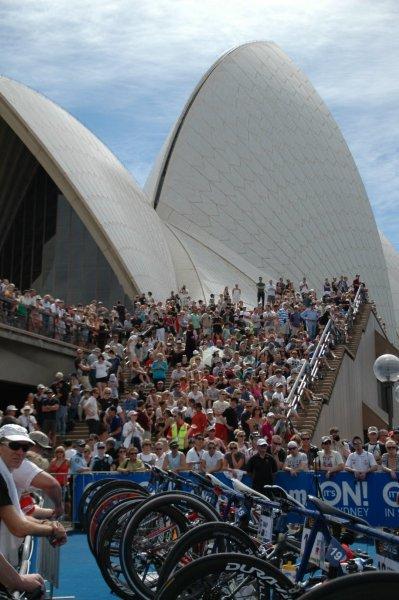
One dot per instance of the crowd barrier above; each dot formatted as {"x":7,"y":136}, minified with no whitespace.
{"x":376,"y":499}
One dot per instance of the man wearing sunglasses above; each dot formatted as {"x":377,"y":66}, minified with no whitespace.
{"x":14,"y":444}
{"x":328,"y":460}
{"x":29,"y":474}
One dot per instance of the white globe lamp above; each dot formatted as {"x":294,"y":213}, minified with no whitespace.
{"x":386,"y":370}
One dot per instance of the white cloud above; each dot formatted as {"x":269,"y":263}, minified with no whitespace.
{"x":125,"y":67}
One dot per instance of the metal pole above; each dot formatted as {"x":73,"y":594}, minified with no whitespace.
{"x":389,"y":391}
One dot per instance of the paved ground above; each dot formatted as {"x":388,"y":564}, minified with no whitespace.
{"x":79,"y":574}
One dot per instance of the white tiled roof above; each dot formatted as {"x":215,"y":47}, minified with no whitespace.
{"x":257,"y":164}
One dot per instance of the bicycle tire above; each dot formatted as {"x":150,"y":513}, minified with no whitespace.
{"x":229,"y":538}
{"x":104,"y":508}
{"x":113,"y":524}
{"x":210,"y":576}
{"x":106,"y":491}
{"x":358,"y":586}
{"x":86,"y":496}
{"x":114,"y":574}
{"x":134,"y":537}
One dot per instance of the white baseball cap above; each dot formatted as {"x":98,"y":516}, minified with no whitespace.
{"x":15,"y":433}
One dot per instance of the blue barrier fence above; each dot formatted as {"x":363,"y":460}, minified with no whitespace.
{"x":376,"y":499}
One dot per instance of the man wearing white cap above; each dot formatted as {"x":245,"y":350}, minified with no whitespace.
{"x":14,"y":443}
{"x":296,"y":461}
{"x":373,"y":445}
{"x":11,"y":410}
{"x":29,"y":474}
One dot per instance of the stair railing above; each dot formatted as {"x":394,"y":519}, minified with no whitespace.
{"x":309,"y":369}
{"x":360,"y":298}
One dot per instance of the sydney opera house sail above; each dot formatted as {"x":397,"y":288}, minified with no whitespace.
{"x":255,"y":179}
{"x":99,"y":189}
{"x":257,"y":170}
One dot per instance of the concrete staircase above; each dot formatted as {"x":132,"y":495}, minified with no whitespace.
{"x":323,"y":387}
{"x":80,"y":430}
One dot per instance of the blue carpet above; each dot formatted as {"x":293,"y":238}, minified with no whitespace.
{"x":79,"y":574}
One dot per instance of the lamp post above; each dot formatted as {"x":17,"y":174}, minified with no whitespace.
{"x":386,"y":370}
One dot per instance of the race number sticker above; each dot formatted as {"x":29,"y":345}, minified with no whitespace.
{"x":387,"y":556}
{"x":265,"y":528}
{"x":317,"y":556}
{"x":335,"y":553}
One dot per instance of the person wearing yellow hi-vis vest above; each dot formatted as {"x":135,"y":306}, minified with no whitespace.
{"x":179,"y":431}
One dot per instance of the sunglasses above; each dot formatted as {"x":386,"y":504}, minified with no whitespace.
{"x":305,"y":438}
{"x":233,"y":447}
{"x":17,"y":446}
{"x":133,"y":454}
{"x":391,"y":447}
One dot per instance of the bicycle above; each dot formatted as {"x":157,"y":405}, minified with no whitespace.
{"x":252,"y":509}
{"x":110,"y":513}
{"x":234,"y":575}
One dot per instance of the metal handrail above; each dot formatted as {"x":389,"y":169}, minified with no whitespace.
{"x":309,"y":369}
{"x":354,"y":308}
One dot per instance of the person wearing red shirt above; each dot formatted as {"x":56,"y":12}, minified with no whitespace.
{"x":199,"y":421}
{"x":59,"y":466}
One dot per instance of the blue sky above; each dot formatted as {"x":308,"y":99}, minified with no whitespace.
{"x":126,"y":67}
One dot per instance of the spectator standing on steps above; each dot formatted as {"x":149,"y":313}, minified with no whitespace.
{"x":260,"y":292}
{"x":90,"y":408}
{"x":50,"y":405}
{"x":236,"y":294}
{"x":61,"y":389}
{"x":271,"y":292}
{"x":311,"y":316}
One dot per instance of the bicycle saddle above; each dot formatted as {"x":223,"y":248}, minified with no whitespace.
{"x":279,"y":493}
{"x":218,"y":483}
{"x":327,"y":509}
{"x":201,"y":479}
{"x":239,"y":486}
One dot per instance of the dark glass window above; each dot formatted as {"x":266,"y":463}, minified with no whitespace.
{"x":47,"y":247}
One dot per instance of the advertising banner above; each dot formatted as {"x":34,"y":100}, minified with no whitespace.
{"x":376,"y":499}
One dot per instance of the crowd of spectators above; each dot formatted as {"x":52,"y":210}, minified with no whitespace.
{"x":182,"y":384}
